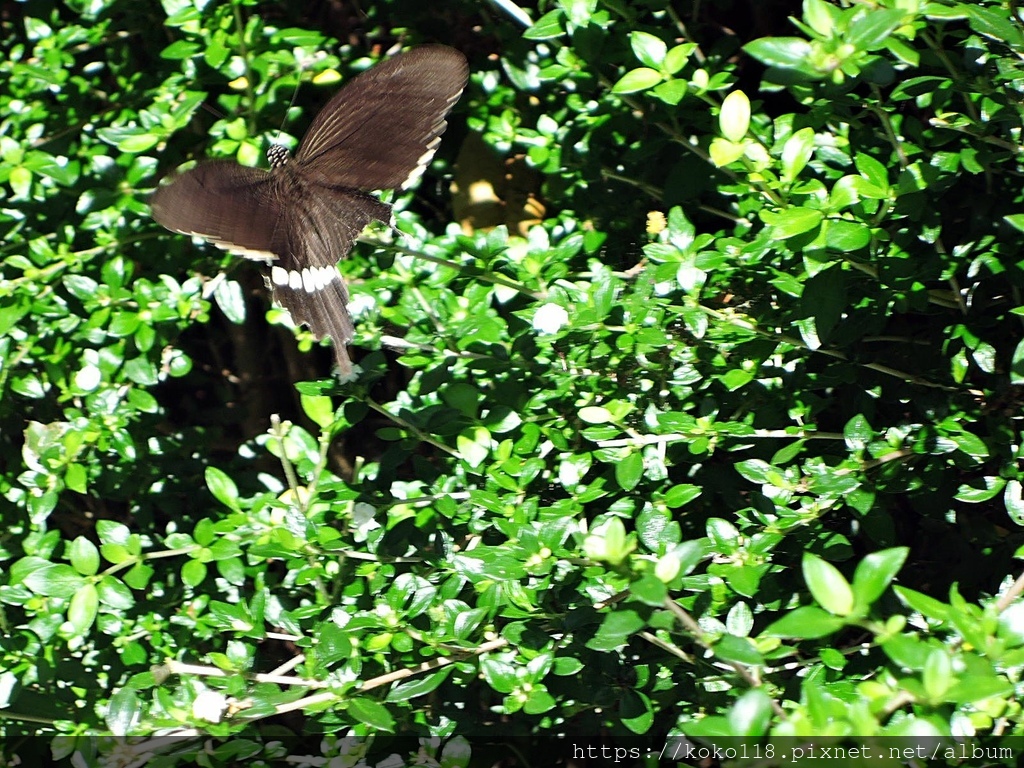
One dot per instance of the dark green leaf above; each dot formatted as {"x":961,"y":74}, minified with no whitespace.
{"x":371,"y":713}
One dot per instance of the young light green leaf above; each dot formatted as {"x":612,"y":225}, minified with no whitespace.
{"x":639,"y":79}
{"x":828,"y":586}
{"x":649,"y":49}
{"x":734,"y":117}
{"x":222,"y":487}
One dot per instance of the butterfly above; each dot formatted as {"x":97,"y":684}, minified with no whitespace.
{"x":379,"y":132}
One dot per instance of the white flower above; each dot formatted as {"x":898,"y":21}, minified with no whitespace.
{"x":550,"y":319}
{"x":88,"y":378}
{"x":363,"y":520}
{"x":209,"y":706}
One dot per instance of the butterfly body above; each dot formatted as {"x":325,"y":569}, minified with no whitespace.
{"x":303,"y":215}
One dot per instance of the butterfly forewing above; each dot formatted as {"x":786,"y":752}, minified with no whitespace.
{"x":382,"y":129}
{"x":378,"y":132}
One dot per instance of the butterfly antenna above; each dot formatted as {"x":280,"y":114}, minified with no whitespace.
{"x":295,"y":95}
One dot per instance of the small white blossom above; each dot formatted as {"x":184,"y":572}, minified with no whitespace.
{"x":209,"y":706}
{"x":550,"y":319}
{"x":363,"y":520}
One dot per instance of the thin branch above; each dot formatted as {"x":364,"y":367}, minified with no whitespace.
{"x":414,"y":430}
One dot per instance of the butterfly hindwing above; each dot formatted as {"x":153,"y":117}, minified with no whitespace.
{"x":305,"y":280}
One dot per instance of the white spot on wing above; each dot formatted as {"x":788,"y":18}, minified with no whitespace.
{"x":279,"y":275}
{"x":238,"y":250}
{"x":265,"y":256}
{"x":327,"y":274}
{"x":422,"y":163}
{"x":295,"y":280}
{"x":308,"y":280}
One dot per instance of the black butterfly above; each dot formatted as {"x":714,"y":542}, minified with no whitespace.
{"x":378,"y":132}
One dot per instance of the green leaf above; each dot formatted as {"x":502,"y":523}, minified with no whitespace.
{"x":649,"y":49}
{"x":548,"y":26}
{"x":474,"y":445}
{"x":734,"y":117}
{"x":847,"y":236}
{"x":609,"y":543}
{"x":456,"y":753}
{"x":870,"y":30}
{"x":333,"y":644}
{"x":999,"y":26}
{"x":84,"y":556}
{"x":83,"y":608}
{"x":417,"y":687}
{"x":139,"y":143}
{"x":51,"y":580}
{"x":649,"y":589}
{"x":724,"y":152}
{"x":114,"y":594}
{"x":737,"y":649}
{"x":1013,"y":499}
{"x":907,"y":651}
{"x":371,"y":713}
{"x":828,"y":586}
{"x":782,"y":52}
{"x":723,"y":533}
{"x":977,"y":689}
{"x":193,"y":573}
{"x":677,"y":58}
{"x":974,"y":495}
{"x":875,"y":572}
{"x":180,"y":50}
{"x":566,"y":665}
{"x":751,"y":715}
{"x":538,"y":701}
{"x":858,"y":433}
{"x":937,"y":675}
{"x":319,"y":408}
{"x":76,"y":478}
{"x":740,"y":620}
{"x":500,"y":675}
{"x":616,"y":630}
{"x":636,"y":711}
{"x":821,"y":17}
{"x":639,"y":79}
{"x":671,"y":91}
{"x":1011,"y":625}
{"x":806,"y":622}
{"x":872,"y":170}
{"x":970,"y":444}
{"x":681,"y":495}
{"x":20,"y":179}
{"x":222,"y":487}
{"x":595,"y":414}
{"x":11,"y":315}
{"x":1017,"y":365}
{"x":124,"y":323}
{"x":124,"y":710}
{"x":796,"y":153}
{"x":791,"y":222}
{"x":629,"y":471}
{"x":927,"y":606}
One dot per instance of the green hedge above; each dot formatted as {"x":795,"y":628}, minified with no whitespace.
{"x":726,"y":444}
